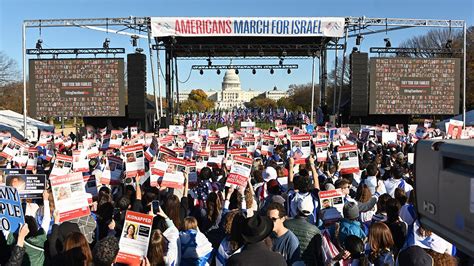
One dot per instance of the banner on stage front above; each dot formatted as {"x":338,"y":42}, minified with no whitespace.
{"x":70,"y":197}
{"x":247,"y":26}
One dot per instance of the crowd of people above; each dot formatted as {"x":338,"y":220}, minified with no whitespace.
{"x":276,"y":218}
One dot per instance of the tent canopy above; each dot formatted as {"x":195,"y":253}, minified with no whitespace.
{"x":13,"y":122}
{"x":469,"y":120}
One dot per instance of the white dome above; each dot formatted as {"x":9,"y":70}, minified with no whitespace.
{"x":231,"y":77}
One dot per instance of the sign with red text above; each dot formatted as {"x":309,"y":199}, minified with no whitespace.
{"x":300,"y":148}
{"x":134,"y":160}
{"x":240,"y":172}
{"x":133,"y":245}
{"x":70,"y":196}
{"x":62,"y":165}
{"x":349,"y":159}
{"x":112,"y":173}
{"x":332,"y":199}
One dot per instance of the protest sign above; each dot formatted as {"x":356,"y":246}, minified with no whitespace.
{"x":247,"y":124}
{"x":268,"y":144}
{"x":133,"y":245}
{"x":202,"y":159}
{"x":44,"y":138}
{"x":348,"y":156}
{"x":133,"y":132}
{"x":389,"y":137}
{"x":223,"y":132}
{"x":176,"y":130}
{"x":300,"y":148}
{"x":62,"y":165}
{"x":5,"y":138}
{"x":13,"y":148}
{"x":192,"y":136}
{"x":217,"y":154}
{"x":70,"y":197}
{"x":321,"y":151}
{"x":111,"y":175}
{"x":164,"y":153}
{"x":411,"y":158}
{"x":149,"y":138}
{"x":412,"y":128}
{"x":249,"y":142}
{"x":191,"y":170}
{"x":21,"y":158}
{"x":91,"y":185}
{"x":135,"y":160}
{"x":157,"y":170}
{"x":454,"y":129}
{"x":152,"y":149}
{"x":4,"y":172}
{"x":240,"y":172}
{"x":11,"y":212}
{"x":32,"y":159}
{"x":116,"y":138}
{"x":105,"y":143}
{"x":80,"y":161}
{"x":331,"y":199}
{"x":173,"y":176}
{"x":28,"y":186}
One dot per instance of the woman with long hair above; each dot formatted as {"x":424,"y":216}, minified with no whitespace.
{"x":354,"y":252}
{"x":381,"y":244}
{"x":172,"y":208}
{"x":163,"y":247}
{"x":232,"y":242}
{"x":398,"y":228}
{"x":195,"y":247}
{"x":130,"y":233}
{"x":363,"y":195}
{"x":78,"y":241}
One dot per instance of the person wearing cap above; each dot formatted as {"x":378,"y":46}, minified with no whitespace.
{"x":284,"y":241}
{"x":308,"y":234}
{"x":255,"y":252}
{"x":349,"y":224}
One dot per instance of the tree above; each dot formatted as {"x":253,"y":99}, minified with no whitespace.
{"x":197,"y":102}
{"x":261,"y":102}
{"x":8,"y":70}
{"x":11,"y":97}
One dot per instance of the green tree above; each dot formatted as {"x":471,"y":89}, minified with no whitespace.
{"x":197,"y":102}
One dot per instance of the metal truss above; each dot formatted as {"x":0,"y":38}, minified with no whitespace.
{"x":415,"y":51}
{"x":214,"y":67}
{"x":76,"y":51}
{"x":77,"y":22}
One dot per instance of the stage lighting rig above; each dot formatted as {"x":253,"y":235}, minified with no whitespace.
{"x":449,"y":44}
{"x":288,"y":71}
{"x":359,"y":39}
{"x":218,"y":71}
{"x":388,"y":44}
{"x":209,"y":62}
{"x":254,"y":71}
{"x":134,"y":40}
{"x":237,"y":71}
{"x":201,"y":72}
{"x":272,"y":71}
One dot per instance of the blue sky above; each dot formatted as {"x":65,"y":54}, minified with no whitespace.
{"x":13,"y":12}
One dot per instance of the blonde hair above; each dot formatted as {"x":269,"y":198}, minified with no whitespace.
{"x":190,"y":223}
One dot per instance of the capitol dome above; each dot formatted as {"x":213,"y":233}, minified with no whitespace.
{"x":231,"y":77}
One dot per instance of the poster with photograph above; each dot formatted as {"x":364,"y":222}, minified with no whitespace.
{"x":176,"y":130}
{"x":349,"y":159}
{"x":116,"y":138}
{"x":157,"y":171}
{"x":300,"y":148}
{"x":70,"y":196}
{"x":13,"y":148}
{"x":44,"y":138}
{"x":268,"y":144}
{"x":133,"y":132}
{"x":193,"y":136}
{"x":133,"y":245}
{"x":32,"y":159}
{"x":21,"y":159}
{"x":4,"y":172}
{"x":11,"y":216}
{"x":104,"y":145}
{"x":332,"y":199}
{"x":164,"y":153}
{"x":389,"y":137}
{"x":321,"y":151}
{"x":239,"y":172}
{"x":152,"y":149}
{"x":80,"y":162}
{"x":191,"y":169}
{"x":174,"y":174}
{"x":202,"y":158}
{"x":134,"y":160}
{"x":223,"y":132}
{"x":28,"y":186}
{"x":246,"y":124}
{"x":249,"y":142}
{"x":455,"y":129}
{"x":62,"y":165}
{"x":112,"y":173}
{"x":5,"y":138}
{"x":217,"y":154}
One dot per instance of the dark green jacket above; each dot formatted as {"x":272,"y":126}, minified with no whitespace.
{"x":310,"y":239}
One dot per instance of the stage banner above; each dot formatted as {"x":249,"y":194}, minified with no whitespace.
{"x":247,"y":26}
{"x":133,"y":245}
{"x":11,"y":216}
{"x":70,"y":196}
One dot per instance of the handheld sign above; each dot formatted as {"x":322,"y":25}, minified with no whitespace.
{"x":133,"y":245}
{"x":349,"y":158}
{"x":70,"y":196}
{"x":11,"y":213}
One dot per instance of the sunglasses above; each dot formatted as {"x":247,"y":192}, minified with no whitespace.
{"x":274,"y":219}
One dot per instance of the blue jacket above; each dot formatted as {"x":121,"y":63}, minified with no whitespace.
{"x":348,"y":227}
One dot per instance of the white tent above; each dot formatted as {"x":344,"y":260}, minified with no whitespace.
{"x":13,"y":122}
{"x":469,"y":120}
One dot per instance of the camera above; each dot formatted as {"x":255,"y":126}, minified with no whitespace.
{"x":444,"y":184}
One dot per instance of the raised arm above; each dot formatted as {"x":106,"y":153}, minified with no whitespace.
{"x":314,"y":172}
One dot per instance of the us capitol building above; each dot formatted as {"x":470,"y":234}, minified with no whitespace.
{"x":232,"y":96}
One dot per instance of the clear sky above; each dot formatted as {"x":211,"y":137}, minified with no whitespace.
{"x":13,"y":12}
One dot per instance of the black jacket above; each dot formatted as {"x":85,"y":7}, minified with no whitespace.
{"x":257,"y":254}
{"x":16,"y":257}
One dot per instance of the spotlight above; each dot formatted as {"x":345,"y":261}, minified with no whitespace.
{"x":138,"y":50}
{"x":355,"y":49}
{"x":134,"y":40}
{"x":39,"y":44}
{"x":218,"y":71}
{"x":359,"y":39}
{"x":388,"y":44}
{"x":209,"y":62}
{"x":106,"y":43}
{"x":289,"y":71}
{"x":449,"y":44}
{"x":236,"y":71}
{"x":281,"y":62}
{"x":254,"y":71}
{"x":272,"y":71}
{"x":201,"y":72}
